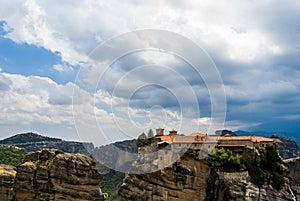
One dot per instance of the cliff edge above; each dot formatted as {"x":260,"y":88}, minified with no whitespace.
{"x":51,"y":175}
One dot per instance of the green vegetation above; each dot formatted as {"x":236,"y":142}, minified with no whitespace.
{"x":11,"y":156}
{"x":224,"y":160}
{"x":273,"y":164}
{"x":144,"y":140}
{"x":150,"y":134}
{"x":267,"y":167}
{"x":111,"y":183}
{"x":256,"y":174}
{"x":277,"y":180}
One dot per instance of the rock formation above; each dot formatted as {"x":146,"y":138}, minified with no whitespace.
{"x":7,"y":178}
{"x":53,"y":175}
{"x":184,"y":180}
{"x":294,"y":175}
{"x":235,"y":186}
{"x":117,"y":156}
{"x":287,"y":148}
{"x":192,"y":179}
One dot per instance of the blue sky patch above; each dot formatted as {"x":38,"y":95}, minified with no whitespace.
{"x":29,"y":60}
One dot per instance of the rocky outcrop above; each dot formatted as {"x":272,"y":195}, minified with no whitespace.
{"x":53,"y":175}
{"x":117,"y":156}
{"x":7,"y":178}
{"x":294,"y":175}
{"x":287,"y":148}
{"x":192,"y":179}
{"x":184,"y":180}
{"x":50,"y":175}
{"x":235,"y":186}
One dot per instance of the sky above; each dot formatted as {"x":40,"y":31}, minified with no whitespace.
{"x":50,"y":83}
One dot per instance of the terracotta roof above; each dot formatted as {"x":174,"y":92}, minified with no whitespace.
{"x":185,"y":139}
{"x":166,"y":138}
{"x":246,"y":138}
{"x":192,"y":138}
{"x":236,"y":138}
{"x":261,"y":139}
{"x":196,"y":134}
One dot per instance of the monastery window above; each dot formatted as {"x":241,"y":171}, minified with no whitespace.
{"x":161,"y":158}
{"x":179,"y":145}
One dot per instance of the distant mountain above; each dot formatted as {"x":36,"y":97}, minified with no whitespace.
{"x":266,"y":134}
{"x":27,"y":137}
{"x":32,"y":142}
{"x":118,"y":155}
{"x":224,"y":132}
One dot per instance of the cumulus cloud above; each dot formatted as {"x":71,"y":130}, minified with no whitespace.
{"x":74,"y":29}
{"x":62,"y":68}
{"x":254,"y":44}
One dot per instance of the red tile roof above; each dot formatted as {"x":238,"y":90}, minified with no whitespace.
{"x":199,"y":137}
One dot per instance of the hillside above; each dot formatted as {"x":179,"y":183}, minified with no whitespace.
{"x":32,"y":142}
{"x":27,"y":137}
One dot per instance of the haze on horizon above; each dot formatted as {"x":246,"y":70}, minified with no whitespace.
{"x":255,"y":46}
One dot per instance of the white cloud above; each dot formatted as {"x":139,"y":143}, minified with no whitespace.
{"x":234,"y":32}
{"x":62,"y":68}
{"x":75,"y":29}
{"x":27,"y":101}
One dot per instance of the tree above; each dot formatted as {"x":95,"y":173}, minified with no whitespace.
{"x":11,"y":156}
{"x":150,"y":133}
{"x":272,"y":159}
{"x":224,"y":160}
{"x":143,"y":140}
{"x":142,"y":136}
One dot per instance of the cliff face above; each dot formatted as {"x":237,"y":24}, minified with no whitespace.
{"x":47,"y":175}
{"x":287,"y":148}
{"x":118,"y":156}
{"x":192,"y":179}
{"x":236,"y":186}
{"x":294,"y":175}
{"x":184,"y":180}
{"x":7,"y":178}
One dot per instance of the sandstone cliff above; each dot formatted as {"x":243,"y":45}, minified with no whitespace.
{"x":236,"y":186}
{"x":294,"y":175}
{"x":287,"y":148}
{"x":184,"y":180}
{"x":7,"y":178}
{"x":50,"y":175}
{"x":192,"y":179}
{"x":117,"y":156}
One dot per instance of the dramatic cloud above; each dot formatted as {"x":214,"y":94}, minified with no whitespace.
{"x":254,"y":44}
